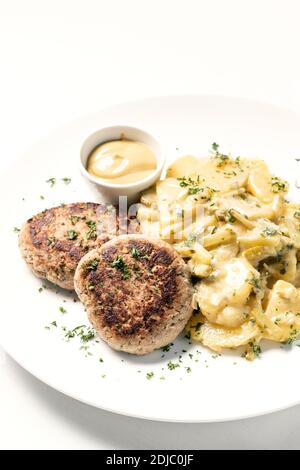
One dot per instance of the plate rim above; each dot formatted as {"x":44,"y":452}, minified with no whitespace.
{"x":67,"y":393}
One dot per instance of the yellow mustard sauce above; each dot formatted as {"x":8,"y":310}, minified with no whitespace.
{"x":121,"y":161}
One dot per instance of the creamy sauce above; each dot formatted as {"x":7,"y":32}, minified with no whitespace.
{"x":122,"y":161}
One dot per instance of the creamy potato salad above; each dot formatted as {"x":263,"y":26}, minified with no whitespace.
{"x":229,"y":220}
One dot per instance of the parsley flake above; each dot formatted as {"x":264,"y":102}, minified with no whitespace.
{"x":66,"y":180}
{"x":122,"y":266}
{"x":72,"y":235}
{"x":92,"y":265}
{"x":92,"y":233}
{"x":51,"y":181}
{"x":172,"y":365}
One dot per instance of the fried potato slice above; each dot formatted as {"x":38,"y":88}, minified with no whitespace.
{"x":217,"y":337}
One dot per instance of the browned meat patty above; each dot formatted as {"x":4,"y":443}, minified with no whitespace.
{"x":136,"y":291}
{"x":54,"y":241}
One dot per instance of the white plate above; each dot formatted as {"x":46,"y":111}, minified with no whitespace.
{"x":218,"y":388}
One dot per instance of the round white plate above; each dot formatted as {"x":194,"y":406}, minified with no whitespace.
{"x":204,"y":387}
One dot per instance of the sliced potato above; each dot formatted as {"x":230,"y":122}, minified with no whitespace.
{"x":286,"y":268}
{"x":260,"y":182}
{"x":283,"y":310}
{"x":222,"y":236}
{"x":247,"y":205}
{"x":229,"y":220}
{"x":232,"y":175}
{"x":199,"y":269}
{"x":217,"y":338}
{"x":223,"y":253}
{"x":242,"y":219}
{"x":183,"y":166}
{"x":265,"y":233}
{"x":149,"y":196}
{"x":168,"y":191}
{"x":256,"y":254}
{"x":147,"y":213}
{"x":223,"y":299}
{"x":289,"y":223}
{"x":150,"y":229}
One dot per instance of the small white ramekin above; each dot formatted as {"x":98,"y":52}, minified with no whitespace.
{"x":110,"y":191}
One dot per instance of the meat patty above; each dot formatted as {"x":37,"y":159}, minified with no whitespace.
{"x":136,"y":291}
{"x":54,"y":241}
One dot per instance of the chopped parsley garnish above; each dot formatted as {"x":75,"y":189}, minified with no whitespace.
{"x":85,"y":337}
{"x":92,"y":233}
{"x":188,"y":369}
{"x":229,"y":217}
{"x":91,"y":286}
{"x":183,"y":182}
{"x":193,"y":185}
{"x":278,"y":185}
{"x":172,"y":365}
{"x":221,"y":157}
{"x":84,"y":333}
{"x":192,"y":238}
{"x":122,"y":266}
{"x":74,"y":219}
{"x":66,"y":180}
{"x":150,"y":375}
{"x":51,"y":324}
{"x":51,"y":181}
{"x":297,"y":214}
{"x":135,"y":253}
{"x":167,"y":347}
{"x":62,"y":310}
{"x":93,"y":265}
{"x":256,"y":349}
{"x":100,"y":359}
{"x":16,"y":230}
{"x":72,"y":235}
{"x":293,"y":335}
{"x":42,"y":197}
{"x":269,"y":232}
{"x":51,"y":241}
{"x":256,"y":283}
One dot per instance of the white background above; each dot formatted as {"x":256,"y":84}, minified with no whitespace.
{"x":61,"y":59}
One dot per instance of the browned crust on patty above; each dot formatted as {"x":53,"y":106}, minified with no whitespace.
{"x":53,"y":241}
{"x":136,"y":291}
